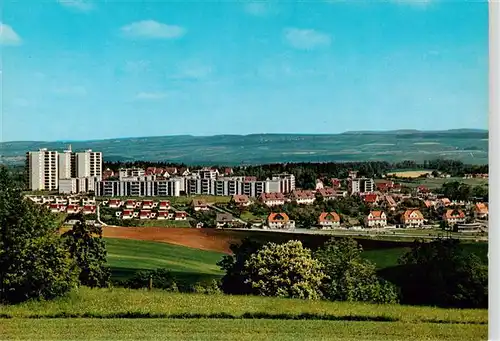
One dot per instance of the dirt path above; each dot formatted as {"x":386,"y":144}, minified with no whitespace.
{"x":203,"y":239}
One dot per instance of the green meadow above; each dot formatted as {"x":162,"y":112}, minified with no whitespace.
{"x":122,"y":314}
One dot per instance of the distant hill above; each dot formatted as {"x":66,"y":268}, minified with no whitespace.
{"x":467,"y":145}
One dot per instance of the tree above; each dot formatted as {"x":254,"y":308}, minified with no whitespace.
{"x":87,"y":247}
{"x":34,"y":262}
{"x":443,"y":273}
{"x":284,"y":270}
{"x":350,"y":277}
{"x":233,"y":282}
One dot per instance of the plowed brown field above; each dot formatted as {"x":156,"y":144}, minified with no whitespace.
{"x":203,"y":239}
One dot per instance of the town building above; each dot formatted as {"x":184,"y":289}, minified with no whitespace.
{"x":42,"y":170}
{"x":77,"y":185}
{"x":199,"y":205}
{"x":285,"y":181}
{"x":361,"y":185}
{"x":481,"y":210}
{"x":66,"y":164}
{"x":412,"y":218}
{"x":280,"y":221}
{"x":157,"y":188}
{"x":241,"y":200}
{"x":453,"y":217}
{"x":272,"y":199}
{"x":329,"y":220}
{"x":224,"y":220}
{"x":302,"y":197}
{"x":376,"y":219}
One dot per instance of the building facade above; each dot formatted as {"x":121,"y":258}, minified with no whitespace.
{"x":361,"y":185}
{"x":88,"y":164}
{"x":156,"y":188}
{"x":42,"y":170}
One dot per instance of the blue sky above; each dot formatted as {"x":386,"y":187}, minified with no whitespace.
{"x":78,"y":70}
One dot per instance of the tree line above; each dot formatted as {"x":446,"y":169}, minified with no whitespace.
{"x":439,"y":273}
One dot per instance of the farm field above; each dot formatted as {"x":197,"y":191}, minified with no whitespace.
{"x":193,"y":256}
{"x":188,"y":264}
{"x":438,"y":182}
{"x":219,"y":317}
{"x":409,"y":173}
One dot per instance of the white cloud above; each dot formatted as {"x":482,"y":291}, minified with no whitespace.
{"x":71,"y":91}
{"x":256,"y":8}
{"x":151,"y":95}
{"x":8,"y":36}
{"x":79,"y":5}
{"x":306,"y":39}
{"x":150,"y":29}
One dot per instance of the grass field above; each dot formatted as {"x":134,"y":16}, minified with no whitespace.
{"x":99,"y":314}
{"x":189,"y":265}
{"x":230,"y":330}
{"x":438,"y":182}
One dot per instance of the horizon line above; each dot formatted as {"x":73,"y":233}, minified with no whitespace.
{"x":252,"y":134}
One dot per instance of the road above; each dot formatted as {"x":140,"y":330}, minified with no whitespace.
{"x":364,"y":233}
{"x":99,"y":215}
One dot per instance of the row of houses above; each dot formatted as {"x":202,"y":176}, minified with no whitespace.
{"x":411,"y":218}
{"x":134,"y":204}
{"x":72,"y":208}
{"x":63,"y":200}
{"x":149,"y":214}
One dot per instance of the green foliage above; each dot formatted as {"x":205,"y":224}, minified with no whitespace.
{"x":351,"y":277}
{"x":284,"y":270}
{"x":87,"y":247}
{"x":161,"y":279}
{"x":442,"y":273}
{"x":233,"y":282}
{"x":212,"y":288}
{"x":34,"y":263}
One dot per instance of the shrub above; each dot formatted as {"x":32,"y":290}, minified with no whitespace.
{"x":284,"y":270}
{"x":350,"y":277}
{"x":212,"y":288}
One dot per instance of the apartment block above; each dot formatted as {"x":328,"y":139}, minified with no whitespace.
{"x":66,"y":164}
{"x":285,"y":181}
{"x":42,"y":170}
{"x":166,"y":188}
{"x":361,"y":185}
{"x":77,"y":185}
{"x":88,"y":164}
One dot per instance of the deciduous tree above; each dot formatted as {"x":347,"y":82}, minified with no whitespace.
{"x":34,"y":261}
{"x":284,"y":270}
{"x":350,"y":277}
{"x":87,"y":247}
